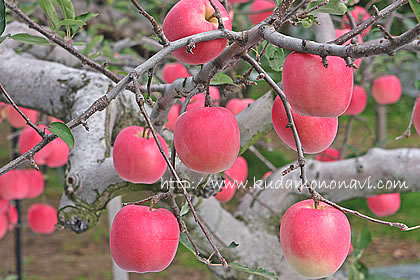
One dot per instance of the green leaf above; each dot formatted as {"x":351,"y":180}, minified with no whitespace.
{"x":334,"y":7}
{"x":184,"y":209}
{"x":275,"y":57}
{"x":48,"y":7}
{"x":67,"y":8}
{"x":87,"y":16}
{"x":259,"y":271}
{"x":415,"y":6}
{"x":71,"y":22}
{"x":2,"y":17}
{"x":364,"y":239}
{"x":78,"y":44}
{"x":30,"y":39}
{"x":232,"y":245}
{"x":2,"y":38}
{"x":95,"y":55}
{"x":183,"y":239}
{"x":93,"y":43}
{"x":220,"y":79}
{"x":63,"y":131}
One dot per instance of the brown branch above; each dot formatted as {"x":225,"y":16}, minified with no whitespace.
{"x":407,"y":132}
{"x":140,"y":102}
{"x":65,"y":45}
{"x":28,"y":121}
{"x":156,"y":28}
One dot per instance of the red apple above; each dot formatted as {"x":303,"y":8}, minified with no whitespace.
{"x":383,"y":205}
{"x":35,"y":182}
{"x":4,"y":205}
{"x":329,"y":154}
{"x":173,"y":71}
{"x":42,"y":218}
{"x":238,"y":173}
{"x":137,"y":157}
{"x":236,"y":105}
{"x":359,"y":14}
{"x":316,"y":134}
{"x":59,"y":154}
{"x":199,"y":100}
{"x":12,"y":217}
{"x":416,"y":117}
{"x":189,"y":17}
{"x":3,"y":225}
{"x":173,"y":116}
{"x":207,"y":139}
{"x":358,"y":101}
{"x":315,"y":242}
{"x":260,"y":5}
{"x":13,"y":185}
{"x":339,"y":32}
{"x":386,"y":89}
{"x":28,"y":138}
{"x":144,"y":239}
{"x":16,"y":120}
{"x":312,"y":89}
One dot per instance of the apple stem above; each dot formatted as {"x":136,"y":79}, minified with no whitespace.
{"x":217,"y":15}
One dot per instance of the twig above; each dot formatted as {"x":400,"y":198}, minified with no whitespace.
{"x":28,"y":121}
{"x":346,"y":137}
{"x":140,"y":102}
{"x":407,"y":132}
{"x":387,"y":35}
{"x":368,"y":22}
{"x":156,"y":28}
{"x":65,"y":45}
{"x":153,"y":199}
{"x":218,"y":15}
{"x":262,"y":158}
{"x":304,"y":14}
{"x":401,"y":226}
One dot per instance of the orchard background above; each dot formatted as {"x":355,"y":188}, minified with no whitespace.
{"x":111,"y":38}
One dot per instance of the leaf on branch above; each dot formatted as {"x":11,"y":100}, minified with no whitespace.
{"x":183,"y":239}
{"x":232,"y":245}
{"x":30,"y":39}
{"x":86,"y":17}
{"x":184,"y":209}
{"x":2,"y":38}
{"x":93,"y":43}
{"x":334,"y":7}
{"x":71,"y":22}
{"x":67,"y":8}
{"x":275,"y":57}
{"x":308,"y":21}
{"x":414,"y":4}
{"x":2,"y":17}
{"x":48,"y":7}
{"x":220,"y":79}
{"x":63,"y":131}
{"x":259,"y":271}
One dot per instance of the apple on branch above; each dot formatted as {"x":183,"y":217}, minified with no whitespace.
{"x":386,"y":89}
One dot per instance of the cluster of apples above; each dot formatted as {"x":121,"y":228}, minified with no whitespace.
{"x":25,"y":184}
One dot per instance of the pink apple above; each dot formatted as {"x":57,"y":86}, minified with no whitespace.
{"x":358,"y":101}
{"x":4,"y":205}
{"x":383,"y":205}
{"x":207,"y":139}
{"x":189,"y":17}
{"x":173,"y":71}
{"x":35,"y":182}
{"x":261,"y":5}
{"x":312,"y":89}
{"x":137,"y":157}
{"x":315,"y":242}
{"x":329,"y":154}
{"x":238,"y":173}
{"x":386,"y":89}
{"x":267,"y":174}
{"x":144,"y":239}
{"x":13,"y":185}
{"x":173,"y":116}
{"x":199,"y":100}
{"x":236,"y":105}
{"x":339,"y":32}
{"x":3,"y":225}
{"x":416,"y":117}
{"x":28,"y":138}
{"x":316,"y":134}
{"x":16,"y":120}
{"x":12,"y":217}
{"x":359,"y":14}
{"x":42,"y":218}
